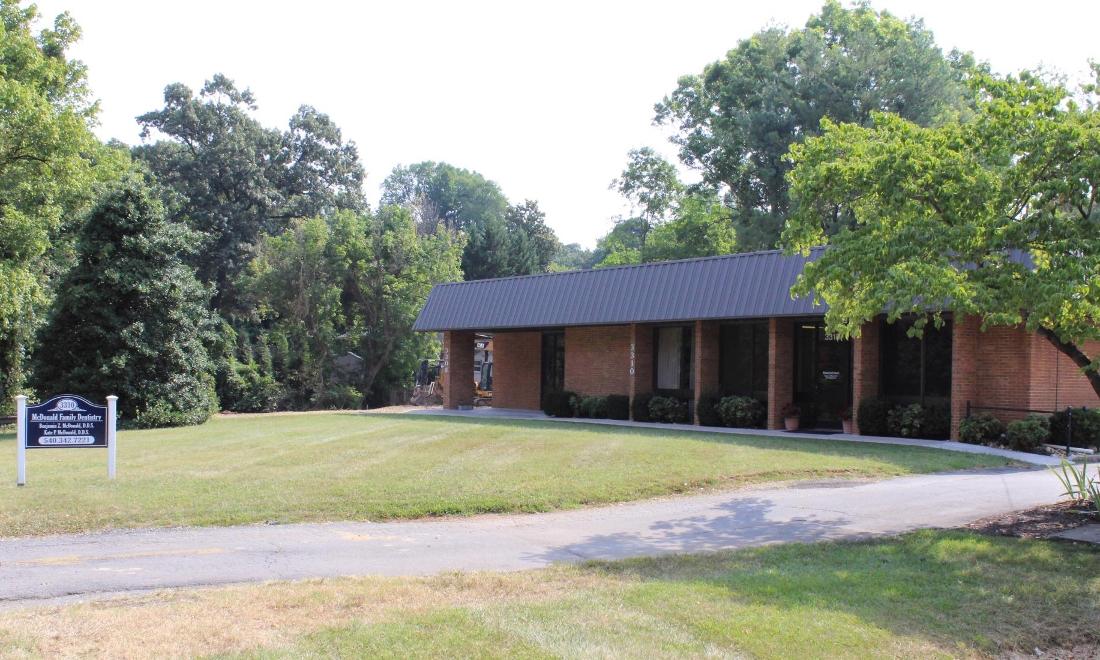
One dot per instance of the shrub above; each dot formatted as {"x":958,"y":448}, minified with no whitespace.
{"x":618,"y":406}
{"x":668,"y":409}
{"x":640,"y":407}
{"x":873,"y":415}
{"x":981,"y":429}
{"x":559,"y":404}
{"x":244,"y":388}
{"x":1029,"y":433}
{"x":906,"y":421}
{"x":741,"y":411}
{"x":339,"y":397}
{"x":707,"y":410}
{"x":593,"y":407}
{"x":1086,"y":428}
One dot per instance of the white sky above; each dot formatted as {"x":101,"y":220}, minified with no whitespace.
{"x":543,"y":98}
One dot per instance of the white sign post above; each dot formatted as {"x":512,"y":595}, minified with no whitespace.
{"x":21,"y":439}
{"x":112,"y":444}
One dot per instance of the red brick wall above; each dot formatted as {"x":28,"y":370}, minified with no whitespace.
{"x":517,"y":370}
{"x":641,"y":381}
{"x":866,"y":364}
{"x":780,"y":369}
{"x":458,"y":372}
{"x":1056,"y":382}
{"x":964,"y":368}
{"x":705,"y":353}
{"x":597,"y":360}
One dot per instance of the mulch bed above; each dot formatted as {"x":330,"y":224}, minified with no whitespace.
{"x":1038,"y":523}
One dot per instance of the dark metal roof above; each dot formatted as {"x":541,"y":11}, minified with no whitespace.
{"x":736,"y":286}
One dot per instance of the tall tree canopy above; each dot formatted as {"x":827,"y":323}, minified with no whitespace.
{"x":996,"y":217}
{"x":350,"y":282}
{"x":736,"y":120}
{"x":234,"y":179}
{"x":501,"y":239}
{"x":49,"y":163}
{"x":130,"y":317}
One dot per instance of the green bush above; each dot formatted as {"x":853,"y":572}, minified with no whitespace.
{"x":741,"y":412}
{"x":339,"y":397}
{"x":981,"y":429}
{"x":707,"y":410}
{"x":1086,"y":428}
{"x":640,"y":407}
{"x":618,"y":406}
{"x":668,"y":409}
{"x":559,"y":404}
{"x":873,"y":415}
{"x":906,"y":421}
{"x":937,"y":421}
{"x":1029,"y":433}
{"x":244,"y":388}
{"x":592,"y":407}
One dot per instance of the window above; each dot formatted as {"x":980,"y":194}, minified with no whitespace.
{"x":673,"y":368}
{"x":553,"y":361}
{"x":743,"y":360}
{"x":915,"y":368}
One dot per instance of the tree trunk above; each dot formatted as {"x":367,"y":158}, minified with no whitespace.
{"x":1076,"y":354}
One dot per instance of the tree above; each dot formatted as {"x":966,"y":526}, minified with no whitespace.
{"x":652,"y":186}
{"x":130,"y":316}
{"x":233,"y":179}
{"x":49,"y":164}
{"x":700,"y":228}
{"x":572,"y":256}
{"x":349,"y":282}
{"x":736,"y":120}
{"x":502,"y":239}
{"x":995,"y":217}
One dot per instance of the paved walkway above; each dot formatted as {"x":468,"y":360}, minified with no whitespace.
{"x":111,"y":562}
{"x":948,"y":445}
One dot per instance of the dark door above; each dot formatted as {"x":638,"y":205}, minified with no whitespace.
{"x":553,"y":361}
{"x":823,"y":375}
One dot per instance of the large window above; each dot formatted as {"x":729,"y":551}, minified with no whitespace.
{"x":553,"y":361}
{"x":743,"y":359}
{"x":673,"y":368}
{"x":916,"y":368}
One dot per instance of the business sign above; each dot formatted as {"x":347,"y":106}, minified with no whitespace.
{"x":62,"y":422}
{"x":66,"y":421}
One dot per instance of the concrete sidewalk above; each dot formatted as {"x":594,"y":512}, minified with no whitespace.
{"x":120,"y":561}
{"x":946,"y":445}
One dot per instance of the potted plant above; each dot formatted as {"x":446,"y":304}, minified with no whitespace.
{"x":791,"y":416}
{"x":846,"y":420}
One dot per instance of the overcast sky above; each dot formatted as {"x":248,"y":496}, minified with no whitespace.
{"x":543,"y":98}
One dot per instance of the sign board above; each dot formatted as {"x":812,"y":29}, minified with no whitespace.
{"x":66,"y":421}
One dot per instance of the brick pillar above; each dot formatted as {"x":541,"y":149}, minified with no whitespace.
{"x":866,"y":363}
{"x":705,"y":356}
{"x":964,"y":368}
{"x":780,"y":369}
{"x":458,"y":369}
{"x":641,"y":361}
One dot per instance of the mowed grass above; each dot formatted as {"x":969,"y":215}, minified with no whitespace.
{"x":344,"y":466}
{"x":921,"y":595}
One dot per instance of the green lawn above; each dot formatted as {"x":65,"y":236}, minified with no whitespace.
{"x":343,"y":466}
{"x":921,"y":595}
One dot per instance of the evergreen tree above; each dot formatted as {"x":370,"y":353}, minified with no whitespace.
{"x":130,"y":316}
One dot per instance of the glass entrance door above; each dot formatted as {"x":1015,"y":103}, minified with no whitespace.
{"x":822,"y":375}
{"x":553,"y":361}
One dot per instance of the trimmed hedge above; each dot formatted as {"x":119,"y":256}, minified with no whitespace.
{"x":879,"y":416}
{"x":668,"y":409}
{"x":640,"y":407}
{"x":742,"y":412}
{"x":618,"y":406}
{"x":981,"y":429}
{"x":707,"y":410}
{"x":592,"y":407}
{"x":1029,"y":433}
{"x":1086,"y":428}
{"x":873,"y":414}
{"x":559,"y":404}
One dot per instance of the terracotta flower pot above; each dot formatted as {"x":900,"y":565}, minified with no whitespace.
{"x":790,"y":423}
{"x":847,"y":426}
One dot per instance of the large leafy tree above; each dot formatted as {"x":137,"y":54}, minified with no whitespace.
{"x":698,"y":226}
{"x":130,"y":318}
{"x":735,"y":121}
{"x":995,"y":217}
{"x":234,"y":179}
{"x":49,"y":164}
{"x":501,"y":239}
{"x":350,"y":282}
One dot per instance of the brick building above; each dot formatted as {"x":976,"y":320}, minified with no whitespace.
{"x":728,"y":325}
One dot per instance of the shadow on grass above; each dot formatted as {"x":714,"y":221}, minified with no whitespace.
{"x":951,"y":587}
